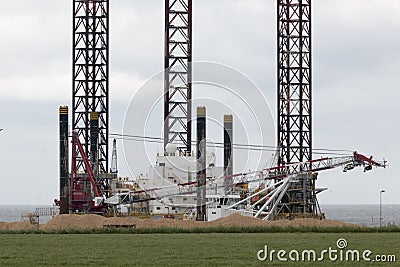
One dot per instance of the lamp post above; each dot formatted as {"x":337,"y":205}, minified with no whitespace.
{"x":380,"y":208}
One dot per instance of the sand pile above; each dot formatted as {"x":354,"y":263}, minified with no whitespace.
{"x":74,"y":221}
{"x":238,"y":221}
{"x":16,"y":225}
{"x":90,"y":221}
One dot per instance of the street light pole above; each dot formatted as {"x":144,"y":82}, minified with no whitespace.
{"x":380,"y":208}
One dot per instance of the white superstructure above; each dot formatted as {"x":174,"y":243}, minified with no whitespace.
{"x":172,"y":170}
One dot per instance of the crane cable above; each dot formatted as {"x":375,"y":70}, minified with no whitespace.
{"x":252,"y":147}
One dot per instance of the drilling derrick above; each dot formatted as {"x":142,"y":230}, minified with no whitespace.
{"x":294,"y":103}
{"x":178,"y":74}
{"x":90,"y":76}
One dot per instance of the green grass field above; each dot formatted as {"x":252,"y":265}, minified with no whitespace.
{"x":201,"y":249}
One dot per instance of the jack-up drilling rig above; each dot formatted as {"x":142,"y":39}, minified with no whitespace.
{"x":87,"y":188}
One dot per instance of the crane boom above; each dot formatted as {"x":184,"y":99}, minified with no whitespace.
{"x":274,"y":173}
{"x":355,"y":160}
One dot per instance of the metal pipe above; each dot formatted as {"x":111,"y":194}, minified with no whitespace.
{"x":255,"y":194}
{"x":271,"y":212}
{"x":380,"y":208}
{"x":279,"y":190}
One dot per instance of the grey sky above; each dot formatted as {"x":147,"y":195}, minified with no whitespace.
{"x":356,"y":69}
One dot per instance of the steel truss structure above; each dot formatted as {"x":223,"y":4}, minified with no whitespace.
{"x":294,"y":101}
{"x":268,"y":201}
{"x":90,"y":76}
{"x":178,"y":74}
{"x":294,"y":81}
{"x":272,"y":201}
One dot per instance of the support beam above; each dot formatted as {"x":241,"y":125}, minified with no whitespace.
{"x":178,"y":74}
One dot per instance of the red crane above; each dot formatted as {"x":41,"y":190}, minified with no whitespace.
{"x":82,"y":184}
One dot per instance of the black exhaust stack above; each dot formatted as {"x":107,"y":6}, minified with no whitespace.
{"x":94,"y":143}
{"x":64,"y":155}
{"x":228,"y":149}
{"x":201,"y":164}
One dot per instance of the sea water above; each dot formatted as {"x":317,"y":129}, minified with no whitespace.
{"x":12,"y":213}
{"x":366,"y":215}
